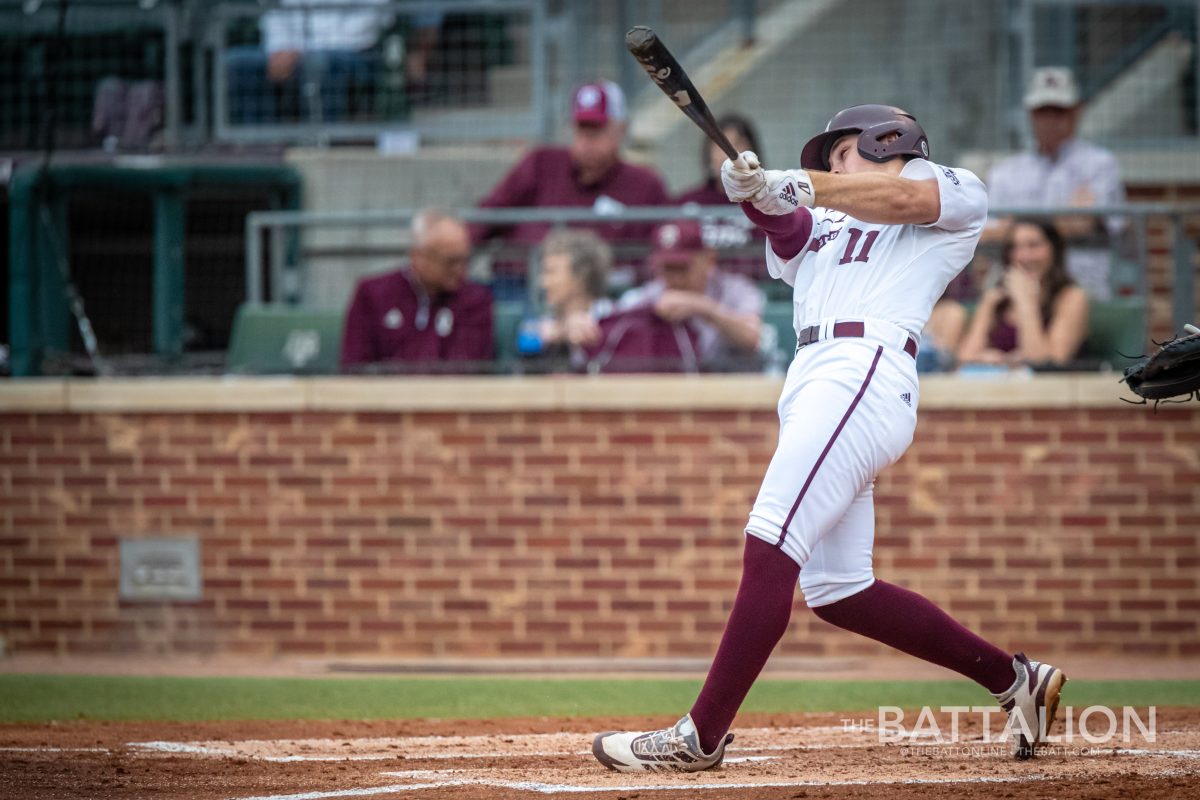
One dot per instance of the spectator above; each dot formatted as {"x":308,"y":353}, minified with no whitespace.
{"x":589,"y":173}
{"x":942,"y":336}
{"x":723,"y":233}
{"x":639,"y":340}
{"x":1035,"y":314}
{"x":306,"y":47}
{"x":742,"y":136}
{"x":574,"y":278}
{"x":426,"y":313}
{"x":1062,"y":171}
{"x":725,"y":309}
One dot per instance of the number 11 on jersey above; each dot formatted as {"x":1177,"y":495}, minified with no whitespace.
{"x":864,"y":252}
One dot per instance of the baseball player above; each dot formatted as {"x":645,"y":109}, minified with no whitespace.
{"x":868,"y":233}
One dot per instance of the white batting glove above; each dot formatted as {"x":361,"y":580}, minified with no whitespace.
{"x":743,"y":178}
{"x":785,"y":191}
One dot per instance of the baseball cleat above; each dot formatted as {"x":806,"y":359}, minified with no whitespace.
{"x":674,"y":749}
{"x":1031,"y":703}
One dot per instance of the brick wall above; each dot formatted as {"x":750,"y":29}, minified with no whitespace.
{"x":577,"y":533}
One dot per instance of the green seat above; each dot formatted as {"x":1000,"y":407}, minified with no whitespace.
{"x":1116,"y":328}
{"x":506,"y":320}
{"x":777,"y":315}
{"x":776,"y":290}
{"x":278,"y":339}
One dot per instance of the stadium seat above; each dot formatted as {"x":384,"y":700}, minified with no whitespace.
{"x":1116,"y":328}
{"x":778,"y":315}
{"x":506,"y":319}
{"x":277,"y":339}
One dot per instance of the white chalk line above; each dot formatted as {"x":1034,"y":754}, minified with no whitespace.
{"x":438,"y":779}
{"x":228,"y":752}
{"x":224,"y":752}
{"x":553,"y":788}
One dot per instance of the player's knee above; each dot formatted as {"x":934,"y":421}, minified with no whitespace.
{"x":825,"y":590}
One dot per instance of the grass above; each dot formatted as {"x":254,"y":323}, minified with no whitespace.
{"x":41,"y":698}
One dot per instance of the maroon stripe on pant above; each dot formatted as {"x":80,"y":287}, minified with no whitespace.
{"x":828,"y":446}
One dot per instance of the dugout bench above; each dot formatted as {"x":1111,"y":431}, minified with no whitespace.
{"x":41,"y":249}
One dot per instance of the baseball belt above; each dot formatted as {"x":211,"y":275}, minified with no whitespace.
{"x":845,"y":330}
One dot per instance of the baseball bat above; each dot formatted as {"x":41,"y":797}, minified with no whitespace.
{"x":665,"y":71}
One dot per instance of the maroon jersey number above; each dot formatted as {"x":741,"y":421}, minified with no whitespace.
{"x":864,"y":252}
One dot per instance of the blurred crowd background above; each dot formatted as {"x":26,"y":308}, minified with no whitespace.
{"x":492,"y":186}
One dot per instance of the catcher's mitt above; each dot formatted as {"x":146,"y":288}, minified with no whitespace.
{"x":1174,"y":371}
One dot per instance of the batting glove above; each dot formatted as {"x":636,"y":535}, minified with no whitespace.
{"x":784,"y":192}
{"x":743,"y":178}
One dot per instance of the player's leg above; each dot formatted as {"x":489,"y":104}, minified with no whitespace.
{"x":837,"y":586}
{"x":829,"y":447}
{"x":900,"y":618}
{"x":757,"y":622}
{"x":814,"y":460}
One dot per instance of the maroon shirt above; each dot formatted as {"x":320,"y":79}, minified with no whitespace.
{"x":638,"y":340}
{"x":391,"y":318}
{"x":546,"y":177}
{"x":738,"y":242}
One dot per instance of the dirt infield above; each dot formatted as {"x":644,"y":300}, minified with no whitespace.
{"x":774,"y":756}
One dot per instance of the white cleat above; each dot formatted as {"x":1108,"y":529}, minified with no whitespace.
{"x":674,"y":749}
{"x":1031,"y":703}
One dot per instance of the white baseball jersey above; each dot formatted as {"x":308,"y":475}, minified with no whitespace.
{"x":895,"y":273}
{"x":849,"y":405}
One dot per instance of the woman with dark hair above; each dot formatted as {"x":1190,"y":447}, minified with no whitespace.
{"x":1035,"y":314}
{"x":742,"y":136}
{"x":725,"y":233}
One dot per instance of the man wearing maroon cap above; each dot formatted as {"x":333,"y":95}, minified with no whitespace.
{"x":725,"y":308}
{"x":424,"y":314}
{"x":588,"y":173}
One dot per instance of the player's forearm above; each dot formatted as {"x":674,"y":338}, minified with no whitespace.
{"x":878,"y":198}
{"x":787,"y":233}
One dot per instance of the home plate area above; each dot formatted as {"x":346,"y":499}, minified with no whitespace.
{"x":763,"y":761}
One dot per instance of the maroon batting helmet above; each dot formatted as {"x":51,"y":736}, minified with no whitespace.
{"x":872,"y":123}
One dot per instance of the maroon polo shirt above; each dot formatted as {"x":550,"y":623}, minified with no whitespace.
{"x":546,"y":177}
{"x":392,"y":319}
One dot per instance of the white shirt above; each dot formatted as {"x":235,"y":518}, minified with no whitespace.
{"x":858,"y":270}
{"x":1034,"y":179}
{"x":306,"y":28}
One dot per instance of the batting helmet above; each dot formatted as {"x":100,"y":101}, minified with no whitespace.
{"x":872,"y":123}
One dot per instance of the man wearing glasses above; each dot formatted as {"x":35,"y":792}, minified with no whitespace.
{"x":425,"y":316}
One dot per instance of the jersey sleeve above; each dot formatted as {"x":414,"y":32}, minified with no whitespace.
{"x":783,"y":269}
{"x":964,"y":200}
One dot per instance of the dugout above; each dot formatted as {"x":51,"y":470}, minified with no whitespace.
{"x":154,"y":248}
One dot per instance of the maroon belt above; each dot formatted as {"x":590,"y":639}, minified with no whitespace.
{"x":843,"y":330}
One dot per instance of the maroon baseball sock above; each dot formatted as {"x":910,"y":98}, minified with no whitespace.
{"x":908,"y":622}
{"x":756,"y":624}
